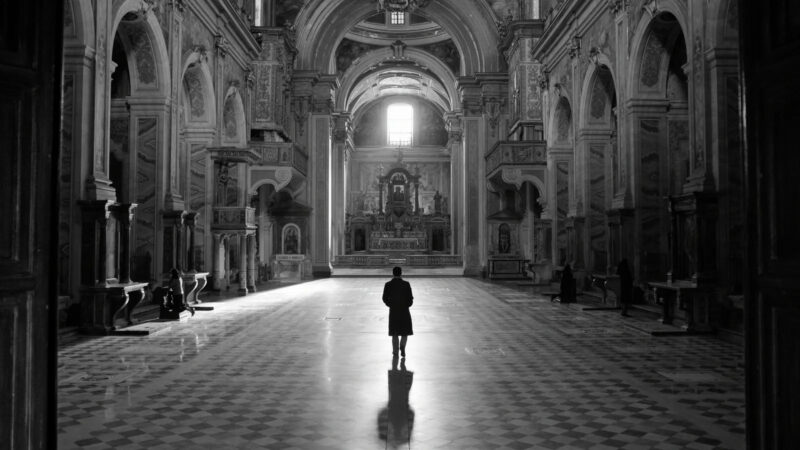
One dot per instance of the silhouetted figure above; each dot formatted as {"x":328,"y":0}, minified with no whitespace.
{"x":567,"y":288}
{"x":176,"y":290}
{"x":625,"y":286}
{"x":396,"y":420}
{"x":398,"y":297}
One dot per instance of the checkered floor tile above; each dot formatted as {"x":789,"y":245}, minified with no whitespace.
{"x":490,"y":366}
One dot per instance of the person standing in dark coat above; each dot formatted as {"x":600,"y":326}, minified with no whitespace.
{"x":398,"y":297}
{"x":625,"y":286}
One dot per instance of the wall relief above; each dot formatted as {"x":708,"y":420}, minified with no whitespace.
{"x":193,"y":83}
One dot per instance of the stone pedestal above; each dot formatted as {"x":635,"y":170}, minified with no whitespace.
{"x":103,"y":306}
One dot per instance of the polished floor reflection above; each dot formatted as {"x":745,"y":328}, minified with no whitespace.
{"x":309,"y":366}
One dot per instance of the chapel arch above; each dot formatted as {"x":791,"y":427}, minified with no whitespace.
{"x":321,"y":25}
{"x":138,"y":132}
{"x":600,"y":147}
{"x":234,"y":123}
{"x":197,"y":131}
{"x":659,"y":113}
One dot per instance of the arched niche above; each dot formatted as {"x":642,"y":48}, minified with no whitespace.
{"x":599,"y":151}
{"x":322,"y":24}
{"x":199,"y":101}
{"x":561,"y":132}
{"x":291,"y":240}
{"x":141,"y":34}
{"x":234,"y":122}
{"x":660,"y":131}
{"x":650,"y":41}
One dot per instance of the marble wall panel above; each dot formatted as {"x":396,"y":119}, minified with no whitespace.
{"x":119,"y":142}
{"x":678,"y":154}
{"x":736,"y":212}
{"x":597,"y":207}
{"x":196,"y":35}
{"x":198,"y":203}
{"x":471,"y":162}
{"x":652,"y":210}
{"x":562,"y":208}
{"x":265,"y":95}
{"x":193,"y":84}
{"x":144,"y":230}
{"x":65,"y":179}
{"x":142,"y":49}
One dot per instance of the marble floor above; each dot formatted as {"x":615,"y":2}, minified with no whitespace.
{"x":490,"y":366}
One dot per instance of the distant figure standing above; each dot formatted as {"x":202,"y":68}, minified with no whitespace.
{"x":625,"y":286}
{"x":567,"y":287}
{"x":176,"y":290}
{"x":398,"y":297}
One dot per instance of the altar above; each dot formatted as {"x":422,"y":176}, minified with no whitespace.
{"x":407,"y":241}
{"x":399,"y":226}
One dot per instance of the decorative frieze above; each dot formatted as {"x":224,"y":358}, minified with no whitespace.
{"x":404,"y":6}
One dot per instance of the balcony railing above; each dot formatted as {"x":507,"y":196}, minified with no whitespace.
{"x":281,"y":154}
{"x":233,"y":218}
{"x":516,"y":153}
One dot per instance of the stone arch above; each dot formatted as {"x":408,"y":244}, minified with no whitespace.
{"x":199,"y":101}
{"x":642,"y":35}
{"x":322,"y":24}
{"x":723,"y":31}
{"x":354,"y":75}
{"x":594,"y":82}
{"x":145,"y":46}
{"x":78,"y":22}
{"x":659,"y":131}
{"x":263,"y":182}
{"x":234,"y":122}
{"x":599,"y":153}
{"x":561,"y":131}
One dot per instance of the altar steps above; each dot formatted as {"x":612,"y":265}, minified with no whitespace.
{"x":386,"y":272}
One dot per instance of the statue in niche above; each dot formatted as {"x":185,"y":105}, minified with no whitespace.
{"x":437,"y":203}
{"x":504,"y":238}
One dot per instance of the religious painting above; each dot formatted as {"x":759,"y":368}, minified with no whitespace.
{"x":398,"y":195}
{"x":291,"y":239}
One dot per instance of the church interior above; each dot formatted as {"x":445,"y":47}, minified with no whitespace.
{"x":593,"y":201}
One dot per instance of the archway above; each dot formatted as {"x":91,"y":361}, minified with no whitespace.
{"x":600,"y":155}
{"x":561,"y":147}
{"x":197,"y":131}
{"x":138,"y":111}
{"x":659,"y":115}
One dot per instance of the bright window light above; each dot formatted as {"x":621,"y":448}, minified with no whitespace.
{"x":398,"y":18}
{"x":400,"y":123}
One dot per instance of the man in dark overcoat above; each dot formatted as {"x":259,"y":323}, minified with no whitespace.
{"x":397,"y":296}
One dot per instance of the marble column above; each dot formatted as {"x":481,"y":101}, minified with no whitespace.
{"x":454,"y":144}
{"x":218,"y":260}
{"x":94,"y":255}
{"x":321,"y":159}
{"x":252,"y":270}
{"x":243,"y":264}
{"x":98,"y":185}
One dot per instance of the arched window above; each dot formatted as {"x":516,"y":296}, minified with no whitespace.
{"x":400,"y":124}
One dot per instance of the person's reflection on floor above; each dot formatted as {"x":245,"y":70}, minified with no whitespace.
{"x":396,"y":420}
